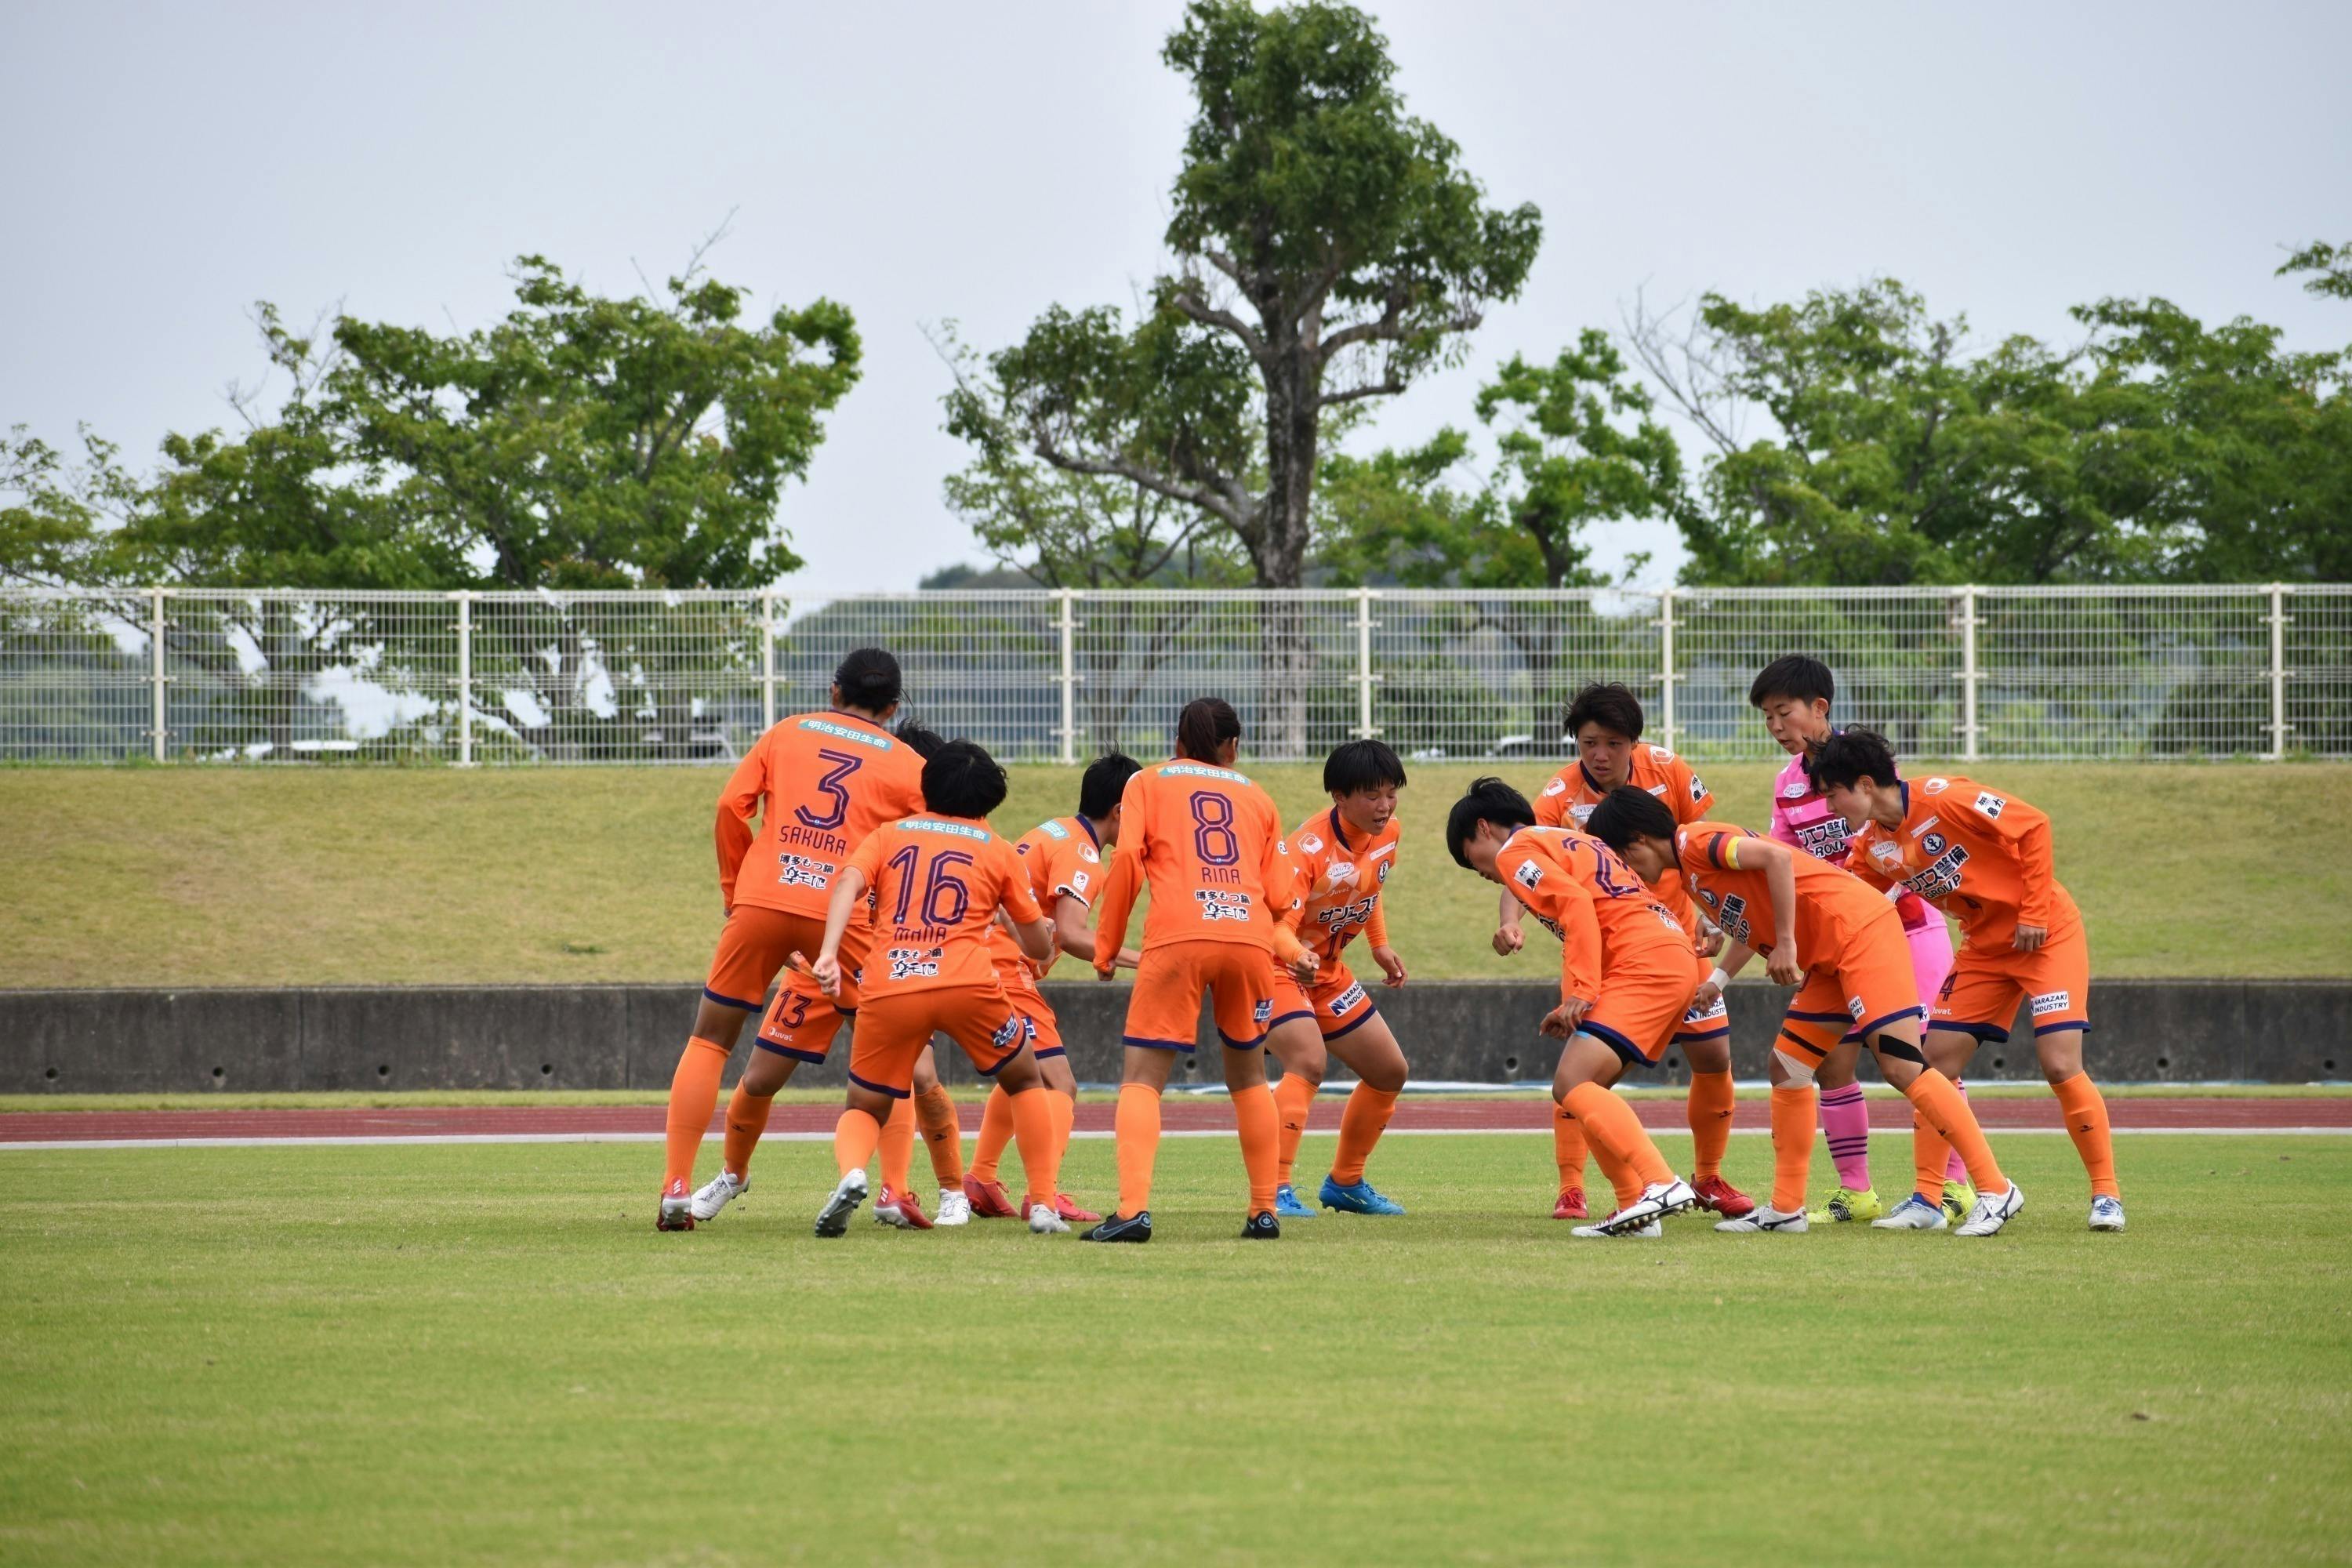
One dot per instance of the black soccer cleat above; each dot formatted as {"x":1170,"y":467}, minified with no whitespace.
{"x":1262,"y":1227}
{"x":1136,"y":1226}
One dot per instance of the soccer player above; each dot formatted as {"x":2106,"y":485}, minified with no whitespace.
{"x":1794,"y":694}
{"x":1627,"y":974}
{"x":1064,"y":860}
{"x":1605,"y":724}
{"x":1839,"y":942}
{"x":819,"y":782}
{"x":936,"y":881}
{"x":1207,"y":844}
{"x":1342,"y":858}
{"x":1985,"y":857}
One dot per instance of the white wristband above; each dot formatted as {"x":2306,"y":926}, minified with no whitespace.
{"x":1719,"y":979}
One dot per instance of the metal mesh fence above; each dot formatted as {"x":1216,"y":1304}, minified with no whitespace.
{"x":284,"y":676}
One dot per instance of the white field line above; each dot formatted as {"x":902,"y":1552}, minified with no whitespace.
{"x":366,"y":1141}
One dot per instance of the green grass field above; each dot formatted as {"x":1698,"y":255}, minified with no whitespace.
{"x":201,"y":877}
{"x":391,"y":1355}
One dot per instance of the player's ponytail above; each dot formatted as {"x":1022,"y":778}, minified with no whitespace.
{"x":1204,"y":727}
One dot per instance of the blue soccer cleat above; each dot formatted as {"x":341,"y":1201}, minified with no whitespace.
{"x":1358,"y":1198}
{"x":1287,"y":1205}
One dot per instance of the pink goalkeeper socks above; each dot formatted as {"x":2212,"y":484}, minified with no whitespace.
{"x":1845,"y":1125}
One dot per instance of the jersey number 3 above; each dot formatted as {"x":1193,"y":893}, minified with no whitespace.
{"x":834,"y":785}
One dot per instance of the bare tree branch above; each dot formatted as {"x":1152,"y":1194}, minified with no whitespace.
{"x":1197,"y":308}
{"x":1203,"y":496}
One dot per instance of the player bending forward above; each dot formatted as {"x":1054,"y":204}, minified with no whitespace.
{"x":1342,"y":858}
{"x":1627,"y":973}
{"x":938,"y":880}
{"x":1986,"y":857}
{"x":1206,"y":842}
{"x":1841,"y":945}
{"x":1065,"y":859}
{"x":819,"y":782}
{"x":1794,"y":694}
{"x":1604,"y":722}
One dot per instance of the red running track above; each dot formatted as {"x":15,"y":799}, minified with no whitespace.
{"x":1180,"y":1113}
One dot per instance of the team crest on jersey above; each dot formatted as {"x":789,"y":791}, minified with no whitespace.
{"x":1933,"y":844}
{"x":1078,"y":881}
{"x":1699,"y":790}
{"x":1308,"y":843}
{"x":1528,"y":875}
{"x":2049,"y":1002}
{"x":1989,"y":803}
{"x":1381,"y":874}
{"x":1935,"y":786}
{"x":1557,"y":786}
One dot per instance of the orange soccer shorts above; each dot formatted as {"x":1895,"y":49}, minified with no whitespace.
{"x":1982,"y":992}
{"x":1643,"y":1004}
{"x":892,"y":1031}
{"x":803,"y":1020}
{"x":1713,"y":1024}
{"x":753,"y":945}
{"x":1337,"y":1000}
{"x":1021,"y":989}
{"x":1163,"y":1011}
{"x":1864,"y":983}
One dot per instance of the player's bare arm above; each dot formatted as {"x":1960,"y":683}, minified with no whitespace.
{"x":848,"y":888}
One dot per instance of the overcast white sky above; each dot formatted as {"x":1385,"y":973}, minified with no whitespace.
{"x":168,"y":164}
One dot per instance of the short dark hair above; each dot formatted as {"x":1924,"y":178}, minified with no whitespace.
{"x":1796,"y":675}
{"x":869,"y":679}
{"x":1205,"y":726}
{"x":1360,"y":766}
{"x":1104,"y":782}
{"x":1488,"y":800}
{"x":920,"y":739}
{"x":962,"y":780}
{"x":1852,"y":755}
{"x":1627,"y":813}
{"x":1612,"y":706}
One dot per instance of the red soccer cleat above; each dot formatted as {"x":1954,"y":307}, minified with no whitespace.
{"x":676,"y":1210}
{"x":1067,"y":1207}
{"x":989,"y":1199}
{"x":901,"y":1209}
{"x":1723,"y":1198}
{"x":1570,"y":1205}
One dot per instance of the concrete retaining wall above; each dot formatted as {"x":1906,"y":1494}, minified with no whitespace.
{"x":628,"y":1037}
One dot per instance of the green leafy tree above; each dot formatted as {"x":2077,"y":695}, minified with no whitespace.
{"x":2330,"y":267}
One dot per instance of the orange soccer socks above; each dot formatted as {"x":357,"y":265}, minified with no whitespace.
{"x":747,"y":1120}
{"x":2086,"y":1124}
{"x":1138,"y":1133}
{"x":1064,"y":1108}
{"x":693,"y":1096}
{"x":1710,"y":1106}
{"x":1293,"y":1098}
{"x":1794,"y":1108}
{"x":1260,"y":1125}
{"x":1569,"y":1148}
{"x":995,"y":1132}
{"x":1360,"y":1126}
{"x":935,"y":1113}
{"x":1945,"y":1111}
{"x":1040,"y":1146}
{"x":855,"y":1138}
{"x":1626,"y":1154}
{"x":1931,"y":1159}
{"x":899,"y":1146}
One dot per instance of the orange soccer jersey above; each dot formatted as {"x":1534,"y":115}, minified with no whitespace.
{"x":1621,"y":948}
{"x":1339,"y":877}
{"x":1982,"y":857}
{"x":820,"y":782}
{"x":1063,"y":859}
{"x":936,"y":884}
{"x":1207,"y":843}
{"x":1568,"y":799}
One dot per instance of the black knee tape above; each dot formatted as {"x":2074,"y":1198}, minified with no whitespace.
{"x":1898,"y":1049}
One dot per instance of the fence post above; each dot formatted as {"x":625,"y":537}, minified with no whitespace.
{"x":1666,"y":666}
{"x":1968,"y":673}
{"x":155,"y":641}
{"x":465,"y":678}
{"x":767,"y":659}
{"x":1068,"y":624}
{"x":2278,"y":672}
{"x":1364,"y":675}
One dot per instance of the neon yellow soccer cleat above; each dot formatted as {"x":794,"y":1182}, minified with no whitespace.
{"x":1847,"y":1206}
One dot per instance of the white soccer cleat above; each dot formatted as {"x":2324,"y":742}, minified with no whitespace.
{"x":1762,"y":1217}
{"x":1646,"y":1230}
{"x":1993,"y":1210}
{"x":1044,"y":1221}
{"x":954,"y":1208}
{"x":1913,"y":1213}
{"x":716,"y":1193}
{"x":2106,"y":1214}
{"x":834,"y":1219}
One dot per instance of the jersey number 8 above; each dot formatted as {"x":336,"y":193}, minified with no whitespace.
{"x":1212,"y":828}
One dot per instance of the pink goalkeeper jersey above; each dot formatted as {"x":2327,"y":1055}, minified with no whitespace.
{"x":1801,"y":816}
